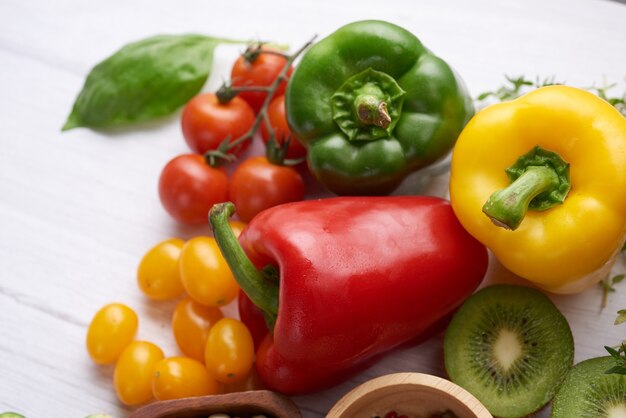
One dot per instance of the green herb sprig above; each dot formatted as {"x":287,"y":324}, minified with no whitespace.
{"x":517,"y":86}
{"x":608,"y":286}
{"x":620,"y":358}
{"x":619,"y":353}
{"x":619,"y":102}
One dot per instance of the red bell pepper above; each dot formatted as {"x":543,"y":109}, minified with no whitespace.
{"x":343,"y":280}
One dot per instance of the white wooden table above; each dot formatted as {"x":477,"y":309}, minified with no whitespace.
{"x":79,"y":209}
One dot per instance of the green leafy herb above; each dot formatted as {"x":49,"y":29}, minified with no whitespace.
{"x":516,"y":87}
{"x":621,"y":317}
{"x":608,"y":286}
{"x":144,"y":80}
{"x":618,"y":102}
{"x":620,"y":358}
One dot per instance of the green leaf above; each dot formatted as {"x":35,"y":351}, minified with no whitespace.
{"x":613,"y":352}
{"x":144,"y":80}
{"x":618,"y":278}
{"x":616,"y":370}
{"x":621,"y":317}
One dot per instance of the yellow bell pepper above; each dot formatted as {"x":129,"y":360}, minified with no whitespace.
{"x":557,"y":215}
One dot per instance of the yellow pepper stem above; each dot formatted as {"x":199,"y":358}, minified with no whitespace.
{"x":539,"y":181}
{"x":507,"y":207}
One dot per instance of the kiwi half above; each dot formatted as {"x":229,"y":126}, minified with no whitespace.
{"x":589,"y":392}
{"x":510,"y":347}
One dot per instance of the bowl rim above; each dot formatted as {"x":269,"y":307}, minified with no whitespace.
{"x":410,"y":378}
{"x":263,"y":401}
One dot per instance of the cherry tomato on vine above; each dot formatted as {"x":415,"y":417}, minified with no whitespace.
{"x":182,"y":377}
{"x":261,"y":72}
{"x":229,"y":352}
{"x":256,"y":184}
{"x":206,"y":122}
{"x":278,"y":122}
{"x":189,"y":187}
{"x":133,"y":372}
{"x":158,"y":275}
{"x":112,"y":328}
{"x":191,"y":323}
{"x":205,"y":274}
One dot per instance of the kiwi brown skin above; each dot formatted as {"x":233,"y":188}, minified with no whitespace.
{"x":539,"y":335}
{"x":587,"y":379}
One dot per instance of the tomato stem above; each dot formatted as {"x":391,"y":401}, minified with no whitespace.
{"x":215,"y":157}
{"x":227,"y":92}
{"x":254,"y":50}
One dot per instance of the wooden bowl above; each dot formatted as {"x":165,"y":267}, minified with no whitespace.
{"x":411,"y":394}
{"x":234,"y":404}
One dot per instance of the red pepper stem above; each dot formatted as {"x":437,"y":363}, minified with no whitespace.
{"x":262,"y":291}
{"x":507,"y":207}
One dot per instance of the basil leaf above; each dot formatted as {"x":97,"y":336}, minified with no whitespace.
{"x":144,"y":80}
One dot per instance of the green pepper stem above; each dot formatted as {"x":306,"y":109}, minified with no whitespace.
{"x":372,"y":111}
{"x":263,"y":292}
{"x":507,"y":207}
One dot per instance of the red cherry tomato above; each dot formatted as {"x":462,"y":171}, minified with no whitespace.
{"x":206,"y":122}
{"x":278,"y":122}
{"x":257,"y":184}
{"x":189,"y":187}
{"x":260,"y":73}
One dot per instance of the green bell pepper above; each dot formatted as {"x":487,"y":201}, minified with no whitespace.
{"x":372,"y":105}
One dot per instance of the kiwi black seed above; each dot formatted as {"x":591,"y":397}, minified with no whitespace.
{"x":589,"y":392}
{"x":510,"y":347}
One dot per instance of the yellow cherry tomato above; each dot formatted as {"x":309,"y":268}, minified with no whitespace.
{"x":205,"y":274}
{"x":229,"y":352}
{"x":158,"y":275}
{"x":251,"y":382}
{"x":133,"y":372}
{"x":112,"y":328}
{"x":181,"y":377}
{"x":191,"y":323}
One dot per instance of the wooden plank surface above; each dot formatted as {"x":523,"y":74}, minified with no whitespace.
{"x":79,"y":209}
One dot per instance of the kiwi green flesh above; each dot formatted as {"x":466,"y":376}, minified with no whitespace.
{"x":589,"y":392}
{"x":510,"y":347}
